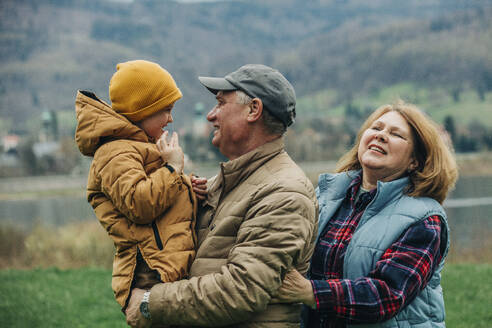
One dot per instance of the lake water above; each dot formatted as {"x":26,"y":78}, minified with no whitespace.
{"x":469,"y":210}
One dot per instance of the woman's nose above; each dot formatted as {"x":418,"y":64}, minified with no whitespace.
{"x":170,"y":119}
{"x":381,"y":135}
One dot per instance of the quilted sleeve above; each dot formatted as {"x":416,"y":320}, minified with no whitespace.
{"x":270,"y":240}
{"x":140,"y":197}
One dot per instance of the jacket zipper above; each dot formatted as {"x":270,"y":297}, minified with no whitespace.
{"x":193,"y":217}
{"x":158,"y":240}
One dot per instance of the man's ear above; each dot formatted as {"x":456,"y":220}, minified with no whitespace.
{"x":255,"y":110}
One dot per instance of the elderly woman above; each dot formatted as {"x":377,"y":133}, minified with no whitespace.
{"x":383,"y":234}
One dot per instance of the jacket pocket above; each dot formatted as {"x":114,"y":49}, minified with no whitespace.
{"x":157,"y":236}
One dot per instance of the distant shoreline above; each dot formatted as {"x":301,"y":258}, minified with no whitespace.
{"x":473,"y":164}
{"x":469,"y":164}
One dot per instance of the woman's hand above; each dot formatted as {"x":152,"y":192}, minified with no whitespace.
{"x":296,"y":288}
{"x":199,"y":187}
{"x":171,"y":152}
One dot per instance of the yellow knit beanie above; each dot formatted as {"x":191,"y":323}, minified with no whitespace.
{"x":141,"y":88}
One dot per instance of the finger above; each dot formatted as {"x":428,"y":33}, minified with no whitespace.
{"x":200,"y":186}
{"x":171,"y":140}
{"x":163,"y":144}
{"x":164,"y":136}
{"x":200,"y":197}
{"x":174,"y":140}
{"x":195,"y":178}
{"x":200,"y":191}
{"x":199,"y":181}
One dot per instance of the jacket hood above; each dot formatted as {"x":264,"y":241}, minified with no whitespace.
{"x":97,"y":123}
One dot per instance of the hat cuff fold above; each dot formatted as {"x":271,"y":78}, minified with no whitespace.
{"x":154,"y":107}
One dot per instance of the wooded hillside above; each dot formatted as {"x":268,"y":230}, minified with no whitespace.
{"x":51,"y":48}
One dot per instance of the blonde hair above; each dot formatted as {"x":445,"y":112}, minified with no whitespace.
{"x":436,"y":173}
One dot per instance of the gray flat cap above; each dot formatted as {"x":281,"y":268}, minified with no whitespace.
{"x":259,"y":81}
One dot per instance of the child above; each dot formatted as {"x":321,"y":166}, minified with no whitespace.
{"x":139,"y":195}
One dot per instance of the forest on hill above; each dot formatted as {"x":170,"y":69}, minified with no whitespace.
{"x":341,"y":57}
{"x":50,"y":48}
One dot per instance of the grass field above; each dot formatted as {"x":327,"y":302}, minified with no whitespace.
{"x":83,"y":297}
{"x":80,"y":295}
{"x":58,"y":298}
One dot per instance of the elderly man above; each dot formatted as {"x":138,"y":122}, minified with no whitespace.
{"x":259,"y":220}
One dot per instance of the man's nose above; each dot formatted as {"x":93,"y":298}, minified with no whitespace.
{"x":211,"y":114}
{"x":170,"y":119}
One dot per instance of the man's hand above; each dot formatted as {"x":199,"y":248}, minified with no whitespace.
{"x":199,"y":187}
{"x":134,"y":317}
{"x":171,"y":152}
{"x":295,"y":288}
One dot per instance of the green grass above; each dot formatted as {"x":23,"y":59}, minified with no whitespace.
{"x":467,"y":293}
{"x":58,"y":298}
{"x":83,"y":297}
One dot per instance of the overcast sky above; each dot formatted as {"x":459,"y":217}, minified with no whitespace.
{"x":128,"y":1}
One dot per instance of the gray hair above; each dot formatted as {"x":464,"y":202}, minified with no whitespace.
{"x":273,"y":125}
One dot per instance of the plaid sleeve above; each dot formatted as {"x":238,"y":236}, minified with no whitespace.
{"x":401,"y":273}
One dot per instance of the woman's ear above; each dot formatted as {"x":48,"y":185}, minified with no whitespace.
{"x":414,"y":164}
{"x":255,"y":110}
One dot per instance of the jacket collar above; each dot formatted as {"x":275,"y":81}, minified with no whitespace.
{"x":233,"y":172}
{"x":334,"y":187}
{"x":97,"y":123}
{"x":388,"y":191}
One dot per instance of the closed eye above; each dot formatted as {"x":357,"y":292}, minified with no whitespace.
{"x":397,"y":135}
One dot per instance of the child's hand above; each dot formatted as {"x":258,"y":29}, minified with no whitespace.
{"x":199,"y":187}
{"x":171,"y":152}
